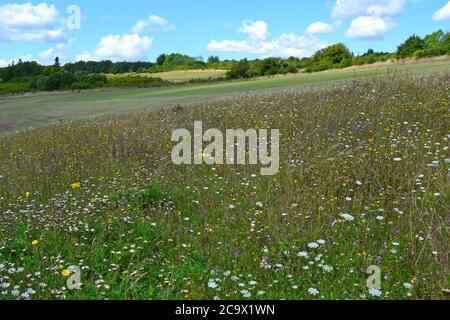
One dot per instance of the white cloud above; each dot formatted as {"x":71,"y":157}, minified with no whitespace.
{"x":259,"y":43}
{"x":24,"y":58}
{"x":129,"y":47}
{"x":61,"y":50}
{"x":349,"y":8}
{"x":47,"y":54}
{"x":255,"y":30}
{"x":320,"y":27}
{"x":152,"y":20}
{"x":369,"y":28}
{"x":30,"y":23}
{"x":443,"y":13}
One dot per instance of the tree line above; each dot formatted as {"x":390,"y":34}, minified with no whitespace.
{"x":24,"y":76}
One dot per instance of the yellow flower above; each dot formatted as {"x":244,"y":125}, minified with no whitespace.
{"x":65,"y":273}
{"x":75,"y":185}
{"x":27,"y":194}
{"x":35,"y":242}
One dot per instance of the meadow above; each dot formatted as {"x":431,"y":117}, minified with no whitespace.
{"x":363,"y":181}
{"x":37,"y":109}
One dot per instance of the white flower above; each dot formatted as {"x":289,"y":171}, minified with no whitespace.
{"x":246,"y":294}
{"x":231,"y":206}
{"x":260,"y":292}
{"x":313,"y":291}
{"x":321,"y":241}
{"x":375,"y":292}
{"x":380,"y":218}
{"x":408,"y":285}
{"x":327,"y":268}
{"x":359,"y":183}
{"x":395,"y":244}
{"x":302,"y":254}
{"x":253,"y":283}
{"x":347,"y":217}
{"x":5,"y":285}
{"x":259,"y":204}
{"x":348,"y":198}
{"x":313,"y":245}
{"x":212,"y":285}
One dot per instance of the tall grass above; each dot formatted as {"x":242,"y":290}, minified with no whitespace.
{"x":363,"y":181}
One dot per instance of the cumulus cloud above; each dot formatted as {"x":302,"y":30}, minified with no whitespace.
{"x":142,"y":24}
{"x":255,"y":30}
{"x":373,"y":19}
{"x":349,"y":8}
{"x":320,"y":27}
{"x":30,"y":23}
{"x":443,"y":13}
{"x":259,"y":42}
{"x":369,"y":28}
{"x":129,"y":47}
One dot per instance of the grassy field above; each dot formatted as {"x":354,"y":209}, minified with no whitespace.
{"x":37,"y":109}
{"x":181,"y":75}
{"x":363,"y":181}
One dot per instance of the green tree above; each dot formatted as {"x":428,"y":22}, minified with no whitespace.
{"x":240,"y":70}
{"x":213,"y":59}
{"x":161,"y":59}
{"x":335,"y":54}
{"x":410,"y":46}
{"x":434,"y":40}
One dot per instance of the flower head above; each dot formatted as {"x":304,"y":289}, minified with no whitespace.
{"x":65,"y":273}
{"x":75,"y":185}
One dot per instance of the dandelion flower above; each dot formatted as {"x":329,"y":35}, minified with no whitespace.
{"x":75,"y":185}
{"x":35,"y":242}
{"x":65,"y":273}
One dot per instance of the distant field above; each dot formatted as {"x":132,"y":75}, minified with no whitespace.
{"x":33,"y":110}
{"x":182,"y":75}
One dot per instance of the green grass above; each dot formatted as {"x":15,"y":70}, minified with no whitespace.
{"x":103,"y":194}
{"x":35,"y":110}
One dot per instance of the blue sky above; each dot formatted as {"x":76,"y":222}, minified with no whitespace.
{"x":142,"y":29}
